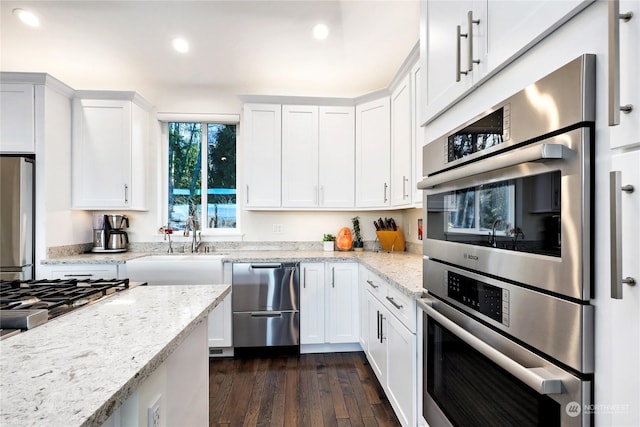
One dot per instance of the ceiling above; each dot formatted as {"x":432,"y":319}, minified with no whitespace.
{"x":241,"y":47}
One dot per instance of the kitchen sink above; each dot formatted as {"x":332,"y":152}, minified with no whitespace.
{"x":176,"y":269}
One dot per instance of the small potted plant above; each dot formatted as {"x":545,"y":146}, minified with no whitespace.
{"x":327,"y":242}
{"x":358,"y":244}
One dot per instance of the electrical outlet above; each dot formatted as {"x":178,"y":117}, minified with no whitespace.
{"x":277,"y":228}
{"x":153,"y":414}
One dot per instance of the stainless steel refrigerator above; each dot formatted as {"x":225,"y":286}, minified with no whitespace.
{"x":16,"y":218}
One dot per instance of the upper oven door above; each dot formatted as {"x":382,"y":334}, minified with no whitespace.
{"x":520,"y":215}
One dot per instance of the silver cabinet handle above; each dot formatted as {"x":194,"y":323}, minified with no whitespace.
{"x":78,"y":275}
{"x":385,"y":192}
{"x":266,"y":314}
{"x":538,"y":379}
{"x":394,"y":303}
{"x":615,"y":194}
{"x":304,"y":277}
{"x":247,"y":195}
{"x":378,"y":318}
{"x":321,"y":197}
{"x":333,"y":277}
{"x":614,"y":62}
{"x":381,"y":327}
{"x":405,"y":180}
{"x":315,"y":194}
{"x":459,"y":71}
{"x":374,"y":286}
{"x":470,"y":23}
{"x":126,"y":193}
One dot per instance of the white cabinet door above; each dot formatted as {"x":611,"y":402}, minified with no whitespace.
{"x":299,"y":156}
{"x":337,"y":157}
{"x":17,"y":116}
{"x":628,"y":131}
{"x":513,"y":26}
{"x":342,"y":303}
{"x":446,"y":52}
{"x":362,"y":304}
{"x":401,"y":144}
{"x":109,"y":151}
{"x":219,"y":322}
{"x":623,"y":331}
{"x":401,"y":370}
{"x":377,"y":347}
{"x":312,"y":306}
{"x":418,"y":132}
{"x":373,"y":145}
{"x":262,"y":130}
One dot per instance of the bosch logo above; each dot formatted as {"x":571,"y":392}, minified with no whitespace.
{"x":471,"y":257}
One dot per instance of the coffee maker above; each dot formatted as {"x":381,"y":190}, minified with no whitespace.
{"x":109,"y":234}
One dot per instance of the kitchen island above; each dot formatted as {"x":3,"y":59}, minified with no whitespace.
{"x":77,"y":370}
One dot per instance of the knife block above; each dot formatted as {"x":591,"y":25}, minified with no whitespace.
{"x":390,"y":240}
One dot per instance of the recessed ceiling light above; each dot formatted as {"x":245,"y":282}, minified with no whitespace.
{"x":180,"y":45}
{"x":320,"y":31}
{"x":27,"y":17}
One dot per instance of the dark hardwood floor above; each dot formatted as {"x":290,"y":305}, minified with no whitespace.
{"x":337,"y":389}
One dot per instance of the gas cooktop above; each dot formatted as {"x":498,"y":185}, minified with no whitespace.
{"x":27,"y":304}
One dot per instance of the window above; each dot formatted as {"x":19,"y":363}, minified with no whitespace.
{"x":202,"y":173}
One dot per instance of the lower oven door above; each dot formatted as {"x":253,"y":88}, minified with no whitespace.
{"x":474,"y":376}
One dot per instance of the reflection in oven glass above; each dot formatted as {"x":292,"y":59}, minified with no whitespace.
{"x":519,"y":214}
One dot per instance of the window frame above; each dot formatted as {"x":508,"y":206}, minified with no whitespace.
{"x":163,"y":173}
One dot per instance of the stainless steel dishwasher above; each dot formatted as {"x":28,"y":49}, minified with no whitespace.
{"x":265,"y":302}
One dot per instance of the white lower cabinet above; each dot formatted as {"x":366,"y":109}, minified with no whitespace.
{"x":329,"y":303}
{"x":84,"y":271}
{"x":219,"y":322}
{"x":401,"y":370}
{"x":391,"y":344}
{"x":312,"y":304}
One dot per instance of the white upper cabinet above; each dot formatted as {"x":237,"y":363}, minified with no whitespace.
{"x":337,"y":157}
{"x":401,"y":144}
{"x":109,"y":153}
{"x":627,"y":133}
{"x":17,"y":118}
{"x":373,"y":146}
{"x":262,"y":129}
{"x":299,"y":156}
{"x":318,"y":149}
{"x":514,"y":26}
{"x":449,"y":71}
{"x":466,"y":41}
{"x":418,"y":132}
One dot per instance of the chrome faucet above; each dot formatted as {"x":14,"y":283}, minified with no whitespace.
{"x":192,"y":224}
{"x":492,"y":237}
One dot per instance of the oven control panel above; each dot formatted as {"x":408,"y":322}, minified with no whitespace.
{"x":492,"y":301}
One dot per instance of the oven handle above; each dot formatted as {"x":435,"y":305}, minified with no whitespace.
{"x":538,"y":379}
{"x":540,"y":152}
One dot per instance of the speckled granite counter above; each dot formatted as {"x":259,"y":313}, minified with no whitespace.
{"x":402,"y":270}
{"x":75,"y":370}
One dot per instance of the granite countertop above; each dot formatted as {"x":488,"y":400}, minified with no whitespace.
{"x":402,"y":270}
{"x":76,"y":369}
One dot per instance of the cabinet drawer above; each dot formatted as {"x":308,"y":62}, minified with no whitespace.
{"x":374,"y":284}
{"x":83,"y":272}
{"x":401,"y":306}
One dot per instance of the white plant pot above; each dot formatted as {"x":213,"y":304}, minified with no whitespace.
{"x":327,"y":246}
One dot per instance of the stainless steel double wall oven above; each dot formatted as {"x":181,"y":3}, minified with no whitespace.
{"x":508,"y":327}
